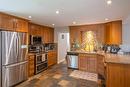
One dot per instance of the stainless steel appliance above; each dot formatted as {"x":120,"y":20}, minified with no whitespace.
{"x":35,"y":48}
{"x":72,"y":60}
{"x":35,"y":39}
{"x":40,"y":62}
{"x":14,"y":57}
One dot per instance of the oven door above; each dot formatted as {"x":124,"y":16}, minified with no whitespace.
{"x":41,"y":58}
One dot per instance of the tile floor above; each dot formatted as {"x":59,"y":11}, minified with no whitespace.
{"x":57,"y":76}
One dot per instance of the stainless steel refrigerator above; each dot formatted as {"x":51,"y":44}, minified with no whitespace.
{"x":13,"y":53}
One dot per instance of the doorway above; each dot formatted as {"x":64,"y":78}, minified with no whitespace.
{"x":63,"y":46}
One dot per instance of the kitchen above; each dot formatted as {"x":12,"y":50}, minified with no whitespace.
{"x":35,"y":53}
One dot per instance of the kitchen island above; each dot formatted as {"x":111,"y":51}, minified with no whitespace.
{"x":114,"y":68}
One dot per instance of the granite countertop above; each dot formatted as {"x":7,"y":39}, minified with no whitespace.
{"x":109,"y":58}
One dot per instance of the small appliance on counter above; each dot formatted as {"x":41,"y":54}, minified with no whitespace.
{"x":35,"y":48}
{"x":111,"y":48}
{"x":124,"y":49}
{"x":50,"y":46}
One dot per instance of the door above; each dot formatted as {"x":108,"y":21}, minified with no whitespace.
{"x":22,"y":46}
{"x":9,"y":51}
{"x":14,"y":74}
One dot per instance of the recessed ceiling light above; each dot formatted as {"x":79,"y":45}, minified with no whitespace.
{"x":109,"y":2}
{"x":106,"y":19}
{"x":57,"y":12}
{"x":53,"y":24}
{"x":74,"y":22}
{"x":30,"y":17}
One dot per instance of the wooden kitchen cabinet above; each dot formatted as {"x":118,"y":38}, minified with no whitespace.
{"x":6,"y":22}
{"x":88,"y":62}
{"x":52,"y":58}
{"x":113,"y":32}
{"x":118,"y":75}
{"x":12,"y":23}
{"x":21,"y":25}
{"x":31,"y":66}
{"x":34,"y":29}
{"x":47,"y":33}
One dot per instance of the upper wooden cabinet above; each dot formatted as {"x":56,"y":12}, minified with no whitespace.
{"x":21,"y":25}
{"x":35,"y":29}
{"x":47,"y":33}
{"x":12,"y":23}
{"x":6,"y":22}
{"x":113,"y":32}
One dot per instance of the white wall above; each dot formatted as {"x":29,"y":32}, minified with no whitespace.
{"x":63,"y":44}
{"x":60,"y":30}
{"x":126,"y":31}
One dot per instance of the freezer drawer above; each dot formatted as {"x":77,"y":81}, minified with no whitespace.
{"x":14,"y":74}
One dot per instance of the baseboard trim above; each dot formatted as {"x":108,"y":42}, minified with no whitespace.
{"x":61,"y":60}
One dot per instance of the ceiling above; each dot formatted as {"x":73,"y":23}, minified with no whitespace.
{"x":81,"y":11}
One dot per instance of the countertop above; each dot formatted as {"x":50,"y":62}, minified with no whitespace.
{"x":108,"y":57}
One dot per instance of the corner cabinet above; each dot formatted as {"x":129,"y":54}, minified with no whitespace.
{"x":12,"y":23}
{"x":113,"y":32}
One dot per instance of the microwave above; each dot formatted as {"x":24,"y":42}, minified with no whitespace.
{"x":35,"y":40}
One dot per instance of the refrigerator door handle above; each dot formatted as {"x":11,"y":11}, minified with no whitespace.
{"x":15,"y":64}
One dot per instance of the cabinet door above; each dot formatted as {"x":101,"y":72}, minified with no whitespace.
{"x":51,"y":35}
{"x":6,"y":22}
{"x":116,"y":32}
{"x":108,"y":33}
{"x":46,"y":35}
{"x":21,"y":25}
{"x":82,"y":63}
{"x":33,"y":29}
{"x":52,"y":58}
{"x":31,"y":65}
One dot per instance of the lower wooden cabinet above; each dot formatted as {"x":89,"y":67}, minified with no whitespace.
{"x":31,"y":65}
{"x":118,"y":75}
{"x":52,"y":58}
{"x":92,"y":63}
{"x":88,"y":62}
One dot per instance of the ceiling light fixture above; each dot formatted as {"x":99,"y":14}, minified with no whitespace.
{"x":57,"y":12}
{"x":106,"y":19}
{"x":109,"y":2}
{"x":74,"y":22}
{"x":29,"y":17}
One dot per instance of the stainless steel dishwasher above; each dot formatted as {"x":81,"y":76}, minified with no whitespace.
{"x":72,"y":60}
